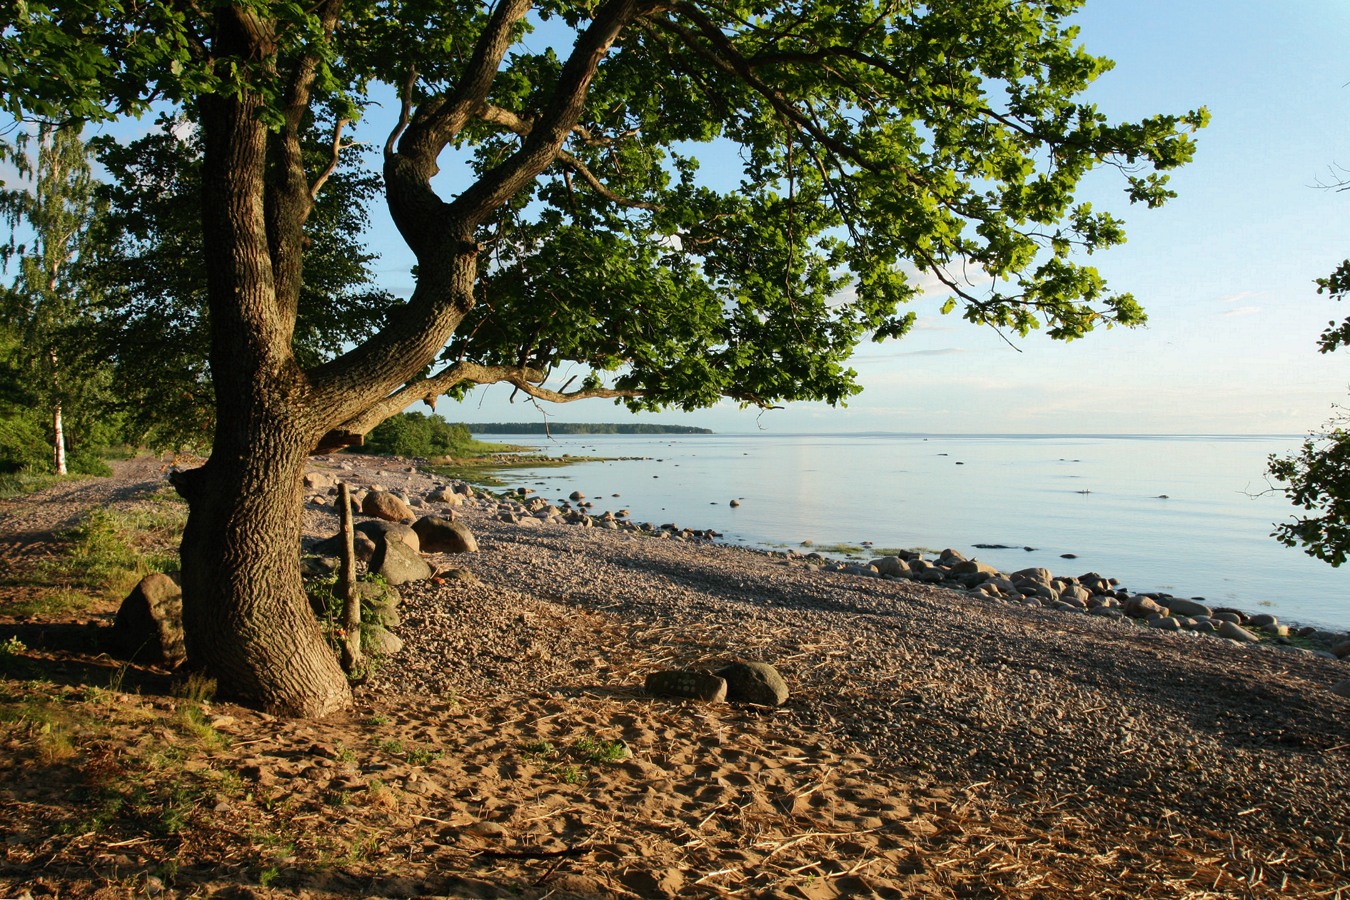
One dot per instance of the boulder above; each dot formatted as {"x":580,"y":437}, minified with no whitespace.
{"x":972,"y":567}
{"x":893,"y":566}
{"x":397,"y":563}
{"x":1139,"y":606}
{"x":754,"y":682}
{"x":1185,"y":607}
{"x":149,"y":624}
{"x":1235,"y":632}
{"x":440,"y":535}
{"x":1342,"y":688}
{"x":1341,"y":650}
{"x":380,"y":531}
{"x":1035,"y":575}
{"x":1262,"y":620}
{"x":447,"y":496}
{"x":687,"y":683}
{"x":380,"y":641}
{"x":363,"y":544}
{"x":1075,"y":594}
{"x":320,"y":481}
{"x":384,"y":505}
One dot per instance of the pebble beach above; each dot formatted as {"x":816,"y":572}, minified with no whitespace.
{"x":1146,"y":749}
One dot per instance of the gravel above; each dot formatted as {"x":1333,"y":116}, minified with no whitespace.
{"x":1126,"y":723}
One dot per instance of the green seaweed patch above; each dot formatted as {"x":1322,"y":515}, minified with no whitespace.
{"x":485,"y":471}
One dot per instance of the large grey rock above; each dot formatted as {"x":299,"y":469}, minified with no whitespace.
{"x":447,"y":496}
{"x":1036,"y":575}
{"x":384,"y":505}
{"x":891,"y":565}
{"x":754,"y":682}
{"x":379,"y":641}
{"x":1341,"y":650}
{"x":1183,"y":606}
{"x":332,"y":547}
{"x":378,"y":530}
{"x":1342,"y":688}
{"x":971,"y":567}
{"x":397,"y":563}
{"x":1140,"y":606}
{"x":440,"y":535}
{"x":149,"y":623}
{"x":320,"y":481}
{"x":688,"y":684}
{"x":1235,"y":632}
{"x":1075,"y":594}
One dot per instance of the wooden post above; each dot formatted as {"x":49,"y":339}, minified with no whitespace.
{"x":351,"y":601}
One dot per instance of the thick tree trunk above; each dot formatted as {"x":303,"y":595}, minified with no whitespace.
{"x":246,"y":619}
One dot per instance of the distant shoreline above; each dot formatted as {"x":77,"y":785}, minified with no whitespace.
{"x":580,"y":428}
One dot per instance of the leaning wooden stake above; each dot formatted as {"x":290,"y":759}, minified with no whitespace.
{"x":351,"y":601}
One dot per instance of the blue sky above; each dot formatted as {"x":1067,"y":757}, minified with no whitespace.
{"x":1225,"y":271}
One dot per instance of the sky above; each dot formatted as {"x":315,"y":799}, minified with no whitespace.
{"x":1225,"y":271}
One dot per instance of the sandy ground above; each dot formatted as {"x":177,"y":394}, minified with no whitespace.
{"x":935,"y":743}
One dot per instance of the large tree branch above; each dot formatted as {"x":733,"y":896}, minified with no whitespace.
{"x":352,"y":432}
{"x":720,"y":52}
{"x":517,"y":125}
{"x":551,"y":127}
{"x":289,"y":198}
{"x":440,"y":119}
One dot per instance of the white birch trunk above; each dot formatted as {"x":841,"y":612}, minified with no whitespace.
{"x":60,"y":440}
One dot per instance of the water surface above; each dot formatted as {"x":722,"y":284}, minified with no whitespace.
{"x":1187,"y":514}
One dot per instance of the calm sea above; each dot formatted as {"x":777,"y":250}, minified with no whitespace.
{"x":1188,"y":515}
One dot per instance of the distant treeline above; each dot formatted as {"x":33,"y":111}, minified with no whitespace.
{"x":580,"y":428}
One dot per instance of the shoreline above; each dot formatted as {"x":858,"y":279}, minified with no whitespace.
{"x":1186,"y":518}
{"x":861,"y":560}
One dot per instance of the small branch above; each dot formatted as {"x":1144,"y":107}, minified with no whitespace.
{"x":351,"y":600}
{"x":329,"y":169}
{"x":404,"y":113}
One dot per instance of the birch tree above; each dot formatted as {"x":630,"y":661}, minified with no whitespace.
{"x":49,"y":213}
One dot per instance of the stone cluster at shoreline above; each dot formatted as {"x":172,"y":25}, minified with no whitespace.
{"x":1088,"y":594}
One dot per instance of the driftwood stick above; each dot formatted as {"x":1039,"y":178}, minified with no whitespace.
{"x":351,"y":601}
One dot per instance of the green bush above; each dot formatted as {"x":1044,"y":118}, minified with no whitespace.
{"x":416,"y":434}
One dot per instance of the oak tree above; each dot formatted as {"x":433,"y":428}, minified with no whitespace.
{"x":872,"y":142}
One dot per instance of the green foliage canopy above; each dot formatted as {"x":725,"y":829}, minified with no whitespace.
{"x":1317,"y":480}
{"x":876,"y":141}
